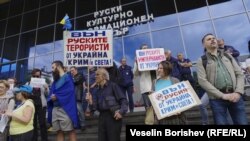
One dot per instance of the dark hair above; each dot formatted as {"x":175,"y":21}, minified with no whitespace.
{"x":35,"y":70}
{"x":74,"y":67}
{"x":202,"y":40}
{"x":167,"y":67}
{"x":58,"y":63}
{"x":25,"y":95}
{"x":143,"y":45}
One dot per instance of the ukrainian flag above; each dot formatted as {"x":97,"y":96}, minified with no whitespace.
{"x":66,"y":22}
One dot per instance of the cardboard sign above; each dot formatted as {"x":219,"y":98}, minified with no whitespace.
{"x":88,"y":48}
{"x":148,"y":59}
{"x":37,"y":82}
{"x":174,"y":99}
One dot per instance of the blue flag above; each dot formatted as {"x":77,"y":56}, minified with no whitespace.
{"x":66,"y":23}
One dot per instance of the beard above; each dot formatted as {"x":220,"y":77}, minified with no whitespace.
{"x":56,"y":75}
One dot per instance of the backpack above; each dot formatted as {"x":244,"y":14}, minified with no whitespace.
{"x":204,"y":59}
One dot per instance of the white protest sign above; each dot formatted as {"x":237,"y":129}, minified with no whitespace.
{"x":85,"y":48}
{"x":174,"y":99}
{"x":148,"y":59}
{"x":3,"y":122}
{"x":37,"y":82}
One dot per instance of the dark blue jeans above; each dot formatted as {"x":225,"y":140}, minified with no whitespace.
{"x":236,"y":110}
{"x":129,"y":91}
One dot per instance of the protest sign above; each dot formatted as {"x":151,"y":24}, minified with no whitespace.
{"x":88,"y":48}
{"x":3,"y":122}
{"x":37,"y":82}
{"x":148,"y":59}
{"x":174,"y":99}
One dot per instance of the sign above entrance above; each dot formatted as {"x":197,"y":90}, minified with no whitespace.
{"x":117,"y":19}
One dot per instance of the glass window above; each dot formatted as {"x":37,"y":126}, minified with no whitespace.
{"x":23,"y":68}
{"x":85,"y":7}
{"x":132,"y":43}
{"x":26,"y":43}
{"x":10,"y":48}
{"x":117,"y":50}
{"x":128,"y":1}
{"x":164,"y":39}
{"x":4,"y":8}
{"x":16,"y":7}
{"x":1,"y":48}
{"x":234,"y":33}
{"x":226,"y":8}
{"x":191,"y":11}
{"x":29,"y":21}
{"x":47,"y":15}
{"x":192,"y":35}
{"x":247,"y":4}
{"x":47,"y":2}
{"x":2,"y":28}
{"x":81,"y":23}
{"x":164,"y":13}
{"x":13,"y":26}
{"x":8,"y":70}
{"x":58,"y":56}
{"x":139,"y":11}
{"x":45,"y":35}
{"x":44,"y":62}
{"x":59,"y":30}
{"x":31,"y":4}
{"x":59,"y":45}
{"x":66,"y":6}
{"x":45,"y":40}
{"x":104,"y":4}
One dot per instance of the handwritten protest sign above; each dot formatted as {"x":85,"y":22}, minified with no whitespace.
{"x":148,"y":59}
{"x":84,"y":48}
{"x":37,"y":82}
{"x":174,"y":99}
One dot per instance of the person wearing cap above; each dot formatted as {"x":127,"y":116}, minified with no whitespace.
{"x":21,"y":125}
{"x":7,"y":103}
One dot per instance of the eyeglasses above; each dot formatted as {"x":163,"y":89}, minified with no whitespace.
{"x":36,"y":76}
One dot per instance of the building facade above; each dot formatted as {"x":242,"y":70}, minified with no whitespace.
{"x":31,"y":36}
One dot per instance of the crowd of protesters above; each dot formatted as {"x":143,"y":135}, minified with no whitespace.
{"x":109,"y":90}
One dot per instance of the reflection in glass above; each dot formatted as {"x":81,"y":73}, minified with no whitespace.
{"x":44,"y":48}
{"x":132,"y":43}
{"x":226,"y":8}
{"x":58,"y":56}
{"x":235,"y":33}
{"x":44,"y":62}
{"x":23,"y":67}
{"x":194,"y":15}
{"x":59,"y":45}
{"x":192,"y":35}
{"x":164,"y":39}
{"x":4,"y":10}
{"x":247,"y":4}
{"x":10,"y":48}
{"x":7,"y":71}
{"x":1,"y":48}
{"x":26,"y":43}
{"x":117,"y":50}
